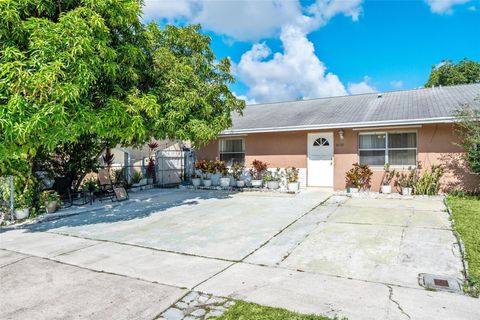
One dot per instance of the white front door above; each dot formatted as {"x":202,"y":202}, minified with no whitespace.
{"x":320,"y":159}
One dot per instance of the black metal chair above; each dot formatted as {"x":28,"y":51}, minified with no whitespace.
{"x":63,"y":186}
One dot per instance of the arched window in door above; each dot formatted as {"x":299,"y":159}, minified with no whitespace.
{"x":321,"y":142}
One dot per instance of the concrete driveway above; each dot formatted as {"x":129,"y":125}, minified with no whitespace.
{"x":354,"y":257}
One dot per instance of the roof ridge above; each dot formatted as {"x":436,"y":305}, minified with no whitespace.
{"x":366,"y":94}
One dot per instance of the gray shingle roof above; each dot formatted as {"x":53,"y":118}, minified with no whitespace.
{"x":429,"y":105}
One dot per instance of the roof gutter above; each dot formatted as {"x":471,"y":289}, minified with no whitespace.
{"x":341,"y":125}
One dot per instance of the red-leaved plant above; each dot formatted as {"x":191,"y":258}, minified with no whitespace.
{"x":258,"y":169}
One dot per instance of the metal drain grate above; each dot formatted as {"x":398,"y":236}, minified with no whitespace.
{"x":441,"y":283}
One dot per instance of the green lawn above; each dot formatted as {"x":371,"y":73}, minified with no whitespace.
{"x":250,"y":311}
{"x":466,"y":214}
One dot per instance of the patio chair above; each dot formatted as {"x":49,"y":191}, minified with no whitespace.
{"x":63,"y":186}
{"x":109,"y":189}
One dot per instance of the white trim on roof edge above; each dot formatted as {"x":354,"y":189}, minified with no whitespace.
{"x":341,"y":125}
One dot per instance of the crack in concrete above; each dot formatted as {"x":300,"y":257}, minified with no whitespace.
{"x":390,"y":297}
{"x":285,"y":228}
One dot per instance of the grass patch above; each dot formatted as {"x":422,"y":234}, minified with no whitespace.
{"x":242,"y":310}
{"x":466,"y":214}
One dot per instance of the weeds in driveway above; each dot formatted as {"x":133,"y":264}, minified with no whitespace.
{"x":250,"y":311}
{"x":466,"y":216}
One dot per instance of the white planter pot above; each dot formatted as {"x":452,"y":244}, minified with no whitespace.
{"x":215,"y":179}
{"x":352,"y":190}
{"x":51,"y":206}
{"x":293,"y":186}
{"x":21,"y":213}
{"x":257,"y":183}
{"x":224,"y":182}
{"x":386,"y":189}
{"x":150,"y":180}
{"x":240,"y":183}
{"x":196,"y":182}
{"x":407,"y":191}
{"x":207,"y":182}
{"x":272,"y":185}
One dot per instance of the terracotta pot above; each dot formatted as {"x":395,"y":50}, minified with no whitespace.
{"x":207,"y":182}
{"x":51,"y":206}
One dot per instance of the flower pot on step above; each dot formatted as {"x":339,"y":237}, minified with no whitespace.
{"x":240,"y":183}
{"x":196,"y":182}
{"x":272,"y":185}
{"x":386,"y":189}
{"x":293,"y":186}
{"x":224,"y":182}
{"x":207,"y":182}
{"x":257,"y":183}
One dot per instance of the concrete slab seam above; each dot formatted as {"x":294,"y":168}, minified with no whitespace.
{"x":142,"y":247}
{"x":286,"y":227}
{"x":100,"y":271}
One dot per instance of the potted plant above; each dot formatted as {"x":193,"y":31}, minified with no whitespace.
{"x":256,"y":173}
{"x":195,"y":177}
{"x":388,"y":176}
{"x":352,"y":180}
{"x":51,"y":200}
{"x":358,"y":177}
{"x":273,"y":179}
{"x":237,"y":172}
{"x":90,"y":185}
{"x":23,"y":203}
{"x":291,"y":174}
{"x":205,"y":168}
{"x":406,"y":181}
{"x":150,"y":171}
{"x":222,"y":169}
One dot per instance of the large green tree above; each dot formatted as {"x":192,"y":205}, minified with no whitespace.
{"x":449,"y":73}
{"x":468,"y":121}
{"x":90,"y":68}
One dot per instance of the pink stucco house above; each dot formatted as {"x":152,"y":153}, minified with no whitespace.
{"x":324,"y":137}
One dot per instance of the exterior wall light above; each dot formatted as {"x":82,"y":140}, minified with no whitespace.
{"x":341,"y":134}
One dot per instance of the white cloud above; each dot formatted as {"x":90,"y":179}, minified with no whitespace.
{"x":361,"y":87}
{"x":168,"y":9}
{"x":294,"y":74}
{"x":250,"y":20}
{"x":248,"y":101}
{"x":397,"y":84}
{"x":444,"y":6}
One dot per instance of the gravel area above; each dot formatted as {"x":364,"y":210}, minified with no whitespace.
{"x":197,"y":305}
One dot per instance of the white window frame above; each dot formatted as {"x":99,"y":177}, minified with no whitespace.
{"x":387,"y":149}
{"x":232,"y":138}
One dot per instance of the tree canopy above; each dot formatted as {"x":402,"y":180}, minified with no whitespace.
{"x":449,"y":73}
{"x":90,"y":68}
{"x":469,"y":131}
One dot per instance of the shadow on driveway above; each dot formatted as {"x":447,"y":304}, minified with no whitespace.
{"x":133,"y":209}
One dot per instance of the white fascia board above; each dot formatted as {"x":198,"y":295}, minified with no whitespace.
{"x":342,"y":125}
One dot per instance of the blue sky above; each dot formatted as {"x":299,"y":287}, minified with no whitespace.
{"x":286,"y":50}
